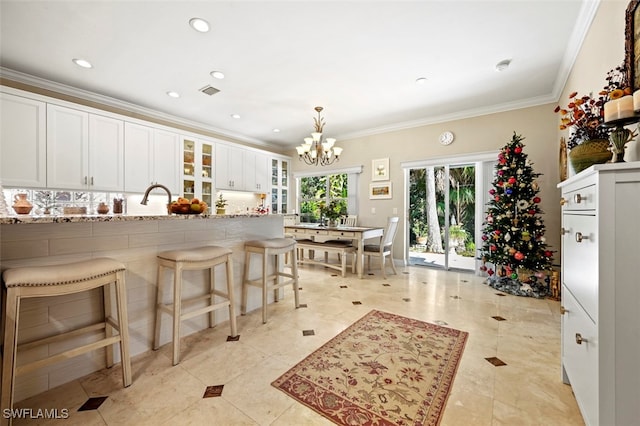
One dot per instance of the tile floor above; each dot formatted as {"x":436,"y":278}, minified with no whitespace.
{"x":522,"y":333}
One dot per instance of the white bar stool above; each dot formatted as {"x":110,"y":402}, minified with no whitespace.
{"x":265,"y":248}
{"x":207,"y":257}
{"x":57,"y":280}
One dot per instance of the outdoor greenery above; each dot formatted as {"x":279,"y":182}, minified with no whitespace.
{"x":461,"y":185}
{"x":317,"y":191}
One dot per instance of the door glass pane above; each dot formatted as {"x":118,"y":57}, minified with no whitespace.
{"x":462,"y":205}
{"x":284,"y":201}
{"x":274,"y":172}
{"x":188,"y":188}
{"x":207,"y":158}
{"x":274,"y":200}
{"x":189,"y":158}
{"x":206,"y":193}
{"x":285,"y":173}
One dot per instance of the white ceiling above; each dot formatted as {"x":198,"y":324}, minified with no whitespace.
{"x":357,"y":59}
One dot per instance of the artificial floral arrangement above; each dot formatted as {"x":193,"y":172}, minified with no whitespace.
{"x":585,"y":114}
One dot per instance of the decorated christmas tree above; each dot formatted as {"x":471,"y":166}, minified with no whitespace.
{"x":514,"y":251}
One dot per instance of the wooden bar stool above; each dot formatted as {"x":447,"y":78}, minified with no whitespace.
{"x":207,"y":257}
{"x":265,"y":248}
{"x":57,"y":280}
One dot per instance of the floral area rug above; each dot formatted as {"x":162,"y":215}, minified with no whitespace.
{"x":384,"y":369}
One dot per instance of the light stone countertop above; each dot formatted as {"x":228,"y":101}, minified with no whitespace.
{"x":25,"y":218}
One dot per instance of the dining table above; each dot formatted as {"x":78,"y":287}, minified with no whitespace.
{"x":320,"y":233}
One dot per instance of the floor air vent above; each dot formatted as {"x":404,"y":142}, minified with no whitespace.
{"x":209,"y":90}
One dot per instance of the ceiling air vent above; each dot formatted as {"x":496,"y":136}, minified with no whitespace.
{"x":209,"y":90}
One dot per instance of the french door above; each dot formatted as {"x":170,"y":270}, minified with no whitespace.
{"x":445,"y":204}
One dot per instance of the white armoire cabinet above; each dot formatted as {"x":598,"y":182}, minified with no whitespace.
{"x":23,"y":142}
{"x":601,"y":292}
{"x":229,"y":167}
{"x":256,"y":177}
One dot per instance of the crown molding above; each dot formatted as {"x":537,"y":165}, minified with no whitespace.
{"x":459,"y":115}
{"x":86,"y":95}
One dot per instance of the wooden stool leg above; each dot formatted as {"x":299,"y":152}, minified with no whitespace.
{"x":294,"y":272}
{"x":123,"y":325}
{"x":245,"y":278}
{"x":212,"y":289}
{"x":159,"y":302}
{"x":264,"y":286}
{"x":108,"y":329}
{"x":9,"y":351}
{"x":231,"y":297}
{"x":276,"y":277}
{"x":177,"y":312}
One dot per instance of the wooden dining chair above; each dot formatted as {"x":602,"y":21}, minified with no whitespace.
{"x":384,"y":248}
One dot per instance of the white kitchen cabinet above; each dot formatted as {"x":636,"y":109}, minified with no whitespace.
{"x":84,"y":151}
{"x":197,"y":170}
{"x":256,"y":177}
{"x":229,"y":165}
{"x":601,"y":292}
{"x":106,"y":153}
{"x":279,"y":185}
{"x":152,"y":156}
{"x":23,"y":142}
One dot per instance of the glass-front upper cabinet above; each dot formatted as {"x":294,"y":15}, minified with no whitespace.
{"x":279,"y":185}
{"x":197,"y":170}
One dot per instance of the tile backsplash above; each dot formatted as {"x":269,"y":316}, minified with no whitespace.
{"x":56,"y":201}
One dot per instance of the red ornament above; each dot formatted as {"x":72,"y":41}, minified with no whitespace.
{"x":498,"y":232}
{"x":492,"y":191}
{"x":497,"y":198}
{"x":485,"y":238}
{"x":493,"y":247}
{"x":548,"y":253}
{"x":517,"y":150}
{"x":490,"y":272}
{"x":536,"y":199}
{"x":518,"y":255}
{"x":532,"y":212}
{"x":483,"y":268}
{"x":500,"y":183}
{"x":512,"y":180}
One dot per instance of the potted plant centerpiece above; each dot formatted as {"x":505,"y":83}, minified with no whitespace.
{"x":333,"y":211}
{"x":588,"y":142}
{"x":221,"y":203}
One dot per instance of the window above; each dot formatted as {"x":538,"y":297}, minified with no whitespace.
{"x":317,"y":189}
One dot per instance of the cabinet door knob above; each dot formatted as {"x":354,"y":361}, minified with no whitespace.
{"x":580,"y":237}
{"x":580,"y":339}
{"x":563,"y":310}
{"x":577,"y":198}
{"x":564,"y":231}
{"x":563,"y":201}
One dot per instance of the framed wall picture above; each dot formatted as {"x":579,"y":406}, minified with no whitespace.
{"x":379,"y":191}
{"x":632,"y":44}
{"x":380,"y":169}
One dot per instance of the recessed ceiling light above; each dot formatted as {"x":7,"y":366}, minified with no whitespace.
{"x":173,"y":94}
{"x":217,"y":74}
{"x":276,"y":130}
{"x":199,"y":24}
{"x":503,"y":65}
{"x":82,"y":63}
{"x":236,"y":116}
{"x":421,"y":80}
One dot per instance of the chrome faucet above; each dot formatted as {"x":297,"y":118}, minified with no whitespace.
{"x":145,"y":199}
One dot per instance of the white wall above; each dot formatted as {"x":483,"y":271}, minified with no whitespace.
{"x":602,"y":50}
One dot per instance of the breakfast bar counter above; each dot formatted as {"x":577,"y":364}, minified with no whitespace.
{"x":135,"y":241}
